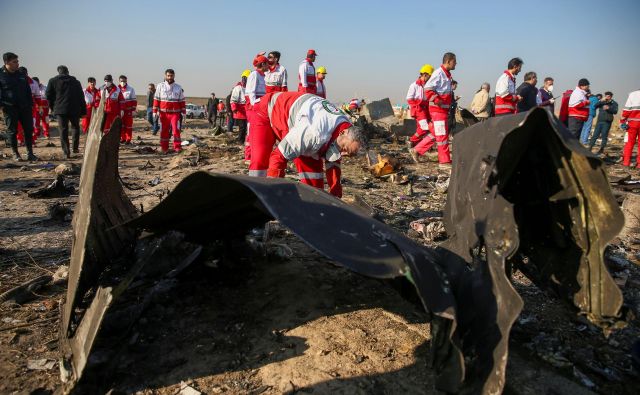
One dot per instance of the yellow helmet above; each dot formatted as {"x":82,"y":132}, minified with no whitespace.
{"x":322,"y":70}
{"x":427,"y":68}
{"x":245,"y":73}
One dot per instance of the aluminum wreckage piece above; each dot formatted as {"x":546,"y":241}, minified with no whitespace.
{"x":523,"y":194}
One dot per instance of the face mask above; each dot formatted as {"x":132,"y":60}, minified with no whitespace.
{"x":123,"y":83}
{"x":550,"y":88}
{"x":108,"y":84}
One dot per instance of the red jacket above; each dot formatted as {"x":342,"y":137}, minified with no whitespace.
{"x":439,"y":93}
{"x":506,"y":98}
{"x":579,"y":105}
{"x":564,"y":106}
{"x":417,"y":100}
{"x":114,"y":101}
{"x":307,"y":77}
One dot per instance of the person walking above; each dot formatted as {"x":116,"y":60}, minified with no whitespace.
{"x":481,"y":103}
{"x":579,"y":107}
{"x":66,"y":99}
{"x":113,"y":102}
{"x":439,"y":94}
{"x":16,"y":102}
{"x":421,"y":141}
{"x":237,"y":105}
{"x":608,"y":108}
{"x":42,"y":122}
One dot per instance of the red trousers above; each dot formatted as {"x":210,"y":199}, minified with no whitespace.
{"x":633,"y":134}
{"x":266,"y":161}
{"x":441,"y":132}
{"x":86,"y":120}
{"x":43,"y":124}
{"x":247,"y":140}
{"x":422,"y":129}
{"x":20,"y":134}
{"x":126,"y":133}
{"x":109,"y":117}
{"x":170,"y":120}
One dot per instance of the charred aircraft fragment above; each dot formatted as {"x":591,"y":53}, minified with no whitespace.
{"x":523,"y":194}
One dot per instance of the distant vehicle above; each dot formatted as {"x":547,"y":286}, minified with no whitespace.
{"x":195,"y":111}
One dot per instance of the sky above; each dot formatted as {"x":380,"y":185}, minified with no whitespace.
{"x":371,"y":49}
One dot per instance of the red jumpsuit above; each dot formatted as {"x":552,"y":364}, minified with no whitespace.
{"x":307,"y":77}
{"x":439,"y":93}
{"x":306,"y":127}
{"x":254,"y":90}
{"x":170,"y":103}
{"x":113,"y":105}
{"x":419,"y":110}
{"x":91,"y":100}
{"x":631,"y":115}
{"x":130,"y":104}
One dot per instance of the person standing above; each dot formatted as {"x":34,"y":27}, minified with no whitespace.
{"x":451,"y":120}
{"x":212,"y":109}
{"x":151,"y":91}
{"x":254,"y":90}
{"x":321,"y":74}
{"x":481,"y":104}
{"x":579,"y":107}
{"x":545,"y":95}
{"x":506,"y":97}
{"x":307,"y":73}
{"x":237,"y":105}
{"x":42,"y":122}
{"x":276,"y":76}
{"x":421,"y":141}
{"x":16,"y":102}
{"x":37,"y":98}
{"x":608,"y":108}
{"x":91,"y":100}
{"x":631,"y":122}
{"x":64,"y":93}
{"x":169,"y":105}
{"x":586,"y":128}
{"x":528,"y":92}
{"x":130,"y":106}
{"x":439,"y":94}
{"x":113,"y":102}
{"x":229,"y":113}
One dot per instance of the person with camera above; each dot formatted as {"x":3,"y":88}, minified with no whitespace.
{"x":608,"y":108}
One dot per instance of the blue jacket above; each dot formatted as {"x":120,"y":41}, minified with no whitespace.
{"x":592,"y":107}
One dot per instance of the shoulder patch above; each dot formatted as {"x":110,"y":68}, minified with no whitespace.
{"x":331,"y":108}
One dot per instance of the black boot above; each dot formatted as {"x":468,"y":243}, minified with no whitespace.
{"x":16,"y":156}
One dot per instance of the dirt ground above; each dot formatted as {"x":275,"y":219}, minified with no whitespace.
{"x":300,"y":325}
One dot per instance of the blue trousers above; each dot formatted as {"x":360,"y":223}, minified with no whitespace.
{"x":602,"y":131}
{"x":586,"y":130}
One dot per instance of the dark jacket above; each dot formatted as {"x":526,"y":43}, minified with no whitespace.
{"x":607,"y":115}
{"x":212,"y":105}
{"x":545,"y":97}
{"x":228,"y":103}
{"x":14,"y":89}
{"x":528,"y":93}
{"x":65,"y":96}
{"x":150,"y":96}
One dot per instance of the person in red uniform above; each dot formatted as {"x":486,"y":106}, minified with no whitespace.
{"x":91,"y":100}
{"x":276,"y":76}
{"x":255,"y":88}
{"x":439,"y":93}
{"x":113,"y":102}
{"x":631,"y":121}
{"x":42,"y":123}
{"x":506,"y":97}
{"x":308,"y":130}
{"x":579,"y":104}
{"x":169,"y":105}
{"x":237,"y":102}
{"x":130,"y":104}
{"x":422,"y":140}
{"x":321,"y":89}
{"x":307,"y":73}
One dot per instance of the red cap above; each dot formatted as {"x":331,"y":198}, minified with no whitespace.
{"x":259,"y":59}
{"x":312,"y":52}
